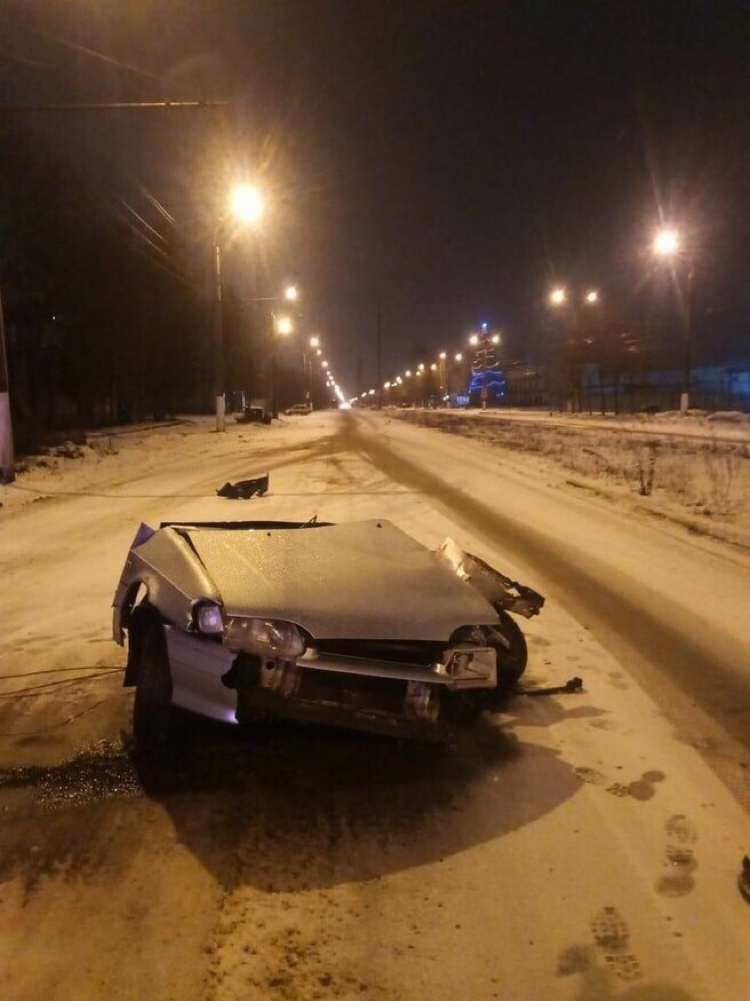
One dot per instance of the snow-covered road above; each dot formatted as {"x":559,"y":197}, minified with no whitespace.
{"x":580,"y":847}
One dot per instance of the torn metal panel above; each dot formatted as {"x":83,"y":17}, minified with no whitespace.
{"x":499,"y":590}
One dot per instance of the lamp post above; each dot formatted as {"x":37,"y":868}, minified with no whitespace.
{"x":668,"y":246}
{"x":441,"y":378}
{"x":7,"y":461}
{"x":246,"y":208}
{"x":314,"y":346}
{"x":559,"y":299}
{"x":282,"y":327}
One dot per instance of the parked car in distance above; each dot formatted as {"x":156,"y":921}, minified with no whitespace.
{"x":299,"y":409}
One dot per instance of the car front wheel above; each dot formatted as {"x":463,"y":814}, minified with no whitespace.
{"x":511,"y":660}
{"x":152,"y":708}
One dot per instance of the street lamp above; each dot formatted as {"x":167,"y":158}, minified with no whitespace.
{"x":459,"y":356}
{"x":291,"y":294}
{"x":314,"y":342}
{"x":246,"y":208}
{"x":496,"y":338}
{"x":324,"y":364}
{"x":474,"y":340}
{"x":558,"y":298}
{"x":668,"y":245}
{"x":281,"y":326}
{"x":442,"y":356}
{"x":407,"y":373}
{"x":246,"y":204}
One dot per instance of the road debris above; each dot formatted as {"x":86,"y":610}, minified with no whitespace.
{"x":571,"y":685}
{"x":743,"y":880}
{"x":245,"y":489}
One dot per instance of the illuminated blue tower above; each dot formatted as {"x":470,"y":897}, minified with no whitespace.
{"x":487,"y":385}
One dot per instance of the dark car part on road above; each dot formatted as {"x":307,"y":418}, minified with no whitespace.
{"x":355,"y":625}
{"x":743,"y":880}
{"x":571,"y":685}
{"x":245,"y":489}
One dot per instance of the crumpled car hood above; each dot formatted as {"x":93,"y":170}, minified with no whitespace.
{"x":366,"y":580}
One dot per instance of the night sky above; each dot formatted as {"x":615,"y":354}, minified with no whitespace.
{"x":448,"y":160}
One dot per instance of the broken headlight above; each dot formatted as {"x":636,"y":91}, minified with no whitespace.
{"x":265,"y":637}
{"x":208,"y":618}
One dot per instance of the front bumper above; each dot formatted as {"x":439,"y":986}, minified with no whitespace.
{"x":356,"y":692}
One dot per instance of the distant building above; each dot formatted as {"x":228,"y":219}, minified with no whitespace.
{"x":525,"y":385}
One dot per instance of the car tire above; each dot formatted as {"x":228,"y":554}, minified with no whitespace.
{"x":152,"y":708}
{"x":512,"y":660}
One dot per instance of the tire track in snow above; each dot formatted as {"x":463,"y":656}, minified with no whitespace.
{"x":648,"y":632}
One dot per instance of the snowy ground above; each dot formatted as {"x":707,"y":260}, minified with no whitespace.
{"x":580,"y":847}
{"x":726,"y":425}
{"x":692,"y":470}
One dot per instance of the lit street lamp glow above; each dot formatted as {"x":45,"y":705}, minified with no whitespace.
{"x":459,"y":356}
{"x":314,"y":342}
{"x":666,"y":243}
{"x":557,"y":296}
{"x":496,"y":338}
{"x":442,"y":356}
{"x":291,"y":294}
{"x":386,"y":385}
{"x":284,"y":325}
{"x":246,"y":203}
{"x":324,"y":364}
{"x":474,"y":340}
{"x":592,"y":296}
{"x":433,"y":367}
{"x":407,"y":373}
{"x":420,"y":367}
{"x":370,"y":392}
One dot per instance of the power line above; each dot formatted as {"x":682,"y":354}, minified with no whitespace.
{"x":118,"y":106}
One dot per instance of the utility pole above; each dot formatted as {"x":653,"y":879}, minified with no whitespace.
{"x":218,"y":328}
{"x":688,"y":324}
{"x":7,"y":460}
{"x":380,"y":357}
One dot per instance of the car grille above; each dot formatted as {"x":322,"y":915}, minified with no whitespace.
{"x":423,"y":653}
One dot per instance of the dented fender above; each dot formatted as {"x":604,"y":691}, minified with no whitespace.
{"x":499,"y":590}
